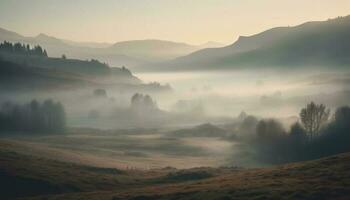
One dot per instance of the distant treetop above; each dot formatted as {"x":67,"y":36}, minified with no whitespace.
{"x":24,"y":49}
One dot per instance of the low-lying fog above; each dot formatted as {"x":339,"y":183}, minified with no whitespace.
{"x":268,"y":93}
{"x":174,"y":125}
{"x":198,"y":97}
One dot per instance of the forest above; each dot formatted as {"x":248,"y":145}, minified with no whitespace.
{"x":35,"y":117}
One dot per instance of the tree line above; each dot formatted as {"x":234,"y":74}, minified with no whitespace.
{"x":315,"y":135}
{"x":22,"y":49}
{"x":33,"y":117}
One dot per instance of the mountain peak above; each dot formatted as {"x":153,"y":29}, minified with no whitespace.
{"x":46,"y":38}
{"x":211,"y":44}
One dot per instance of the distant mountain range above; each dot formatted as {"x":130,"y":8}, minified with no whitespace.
{"x":128,"y":53}
{"x":324,"y":44}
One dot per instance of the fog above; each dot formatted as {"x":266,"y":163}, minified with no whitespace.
{"x":268,"y":93}
{"x":92,"y":113}
{"x":143,"y":127}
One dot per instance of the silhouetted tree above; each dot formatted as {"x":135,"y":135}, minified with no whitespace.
{"x":140,"y":102}
{"x":248,"y":125}
{"x":296,"y":142}
{"x":313,"y":116}
{"x":342,"y":116}
{"x":269,"y":129}
{"x":297,"y":130}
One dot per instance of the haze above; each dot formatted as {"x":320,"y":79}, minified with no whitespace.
{"x":174,"y":99}
{"x":192,"y":21}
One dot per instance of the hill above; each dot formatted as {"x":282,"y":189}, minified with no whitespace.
{"x":26,"y":68}
{"x":15,"y":77}
{"x":152,"y":50}
{"x":32,"y":177}
{"x":36,"y":58}
{"x":127,"y":53}
{"x":310,"y":44}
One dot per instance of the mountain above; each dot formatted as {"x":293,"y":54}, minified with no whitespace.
{"x":152,"y":50}
{"x":323,"y":43}
{"x":9,"y":35}
{"x":28,"y":174}
{"x":211,"y":44}
{"x":88,"y":44}
{"x":127,"y":53}
{"x":46,"y":39}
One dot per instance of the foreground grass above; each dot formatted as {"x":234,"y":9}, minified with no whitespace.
{"x":31,"y":177}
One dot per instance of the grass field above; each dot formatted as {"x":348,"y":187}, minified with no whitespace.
{"x":26,"y":176}
{"x":141,"y":149}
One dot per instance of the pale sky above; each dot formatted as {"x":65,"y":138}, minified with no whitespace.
{"x":190,"y":21}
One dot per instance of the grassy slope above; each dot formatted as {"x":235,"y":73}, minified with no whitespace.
{"x":327,"y":178}
{"x":15,"y":76}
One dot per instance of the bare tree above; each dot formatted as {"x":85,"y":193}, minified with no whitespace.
{"x":313,"y":116}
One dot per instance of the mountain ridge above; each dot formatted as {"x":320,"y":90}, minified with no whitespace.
{"x":124,"y":53}
{"x":268,"y":46}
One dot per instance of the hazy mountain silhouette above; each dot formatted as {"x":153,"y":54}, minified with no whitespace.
{"x":9,"y":35}
{"x":127,"y":53}
{"x":211,"y":44}
{"x":310,"y":44}
{"x":152,"y":49}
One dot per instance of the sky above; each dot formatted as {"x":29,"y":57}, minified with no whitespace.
{"x":189,"y":21}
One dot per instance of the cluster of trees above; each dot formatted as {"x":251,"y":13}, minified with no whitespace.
{"x":100,"y":93}
{"x":142,"y":102}
{"x":22,"y":49}
{"x":313,"y":137}
{"x":34,"y":117}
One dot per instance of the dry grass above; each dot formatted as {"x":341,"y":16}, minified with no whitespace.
{"x":327,"y":178}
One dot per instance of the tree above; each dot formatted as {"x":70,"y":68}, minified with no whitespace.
{"x":45,"y":53}
{"x":313,"y":117}
{"x":242,"y":116}
{"x":136,"y":99}
{"x":248,"y":125}
{"x":33,"y":117}
{"x":296,"y":142}
{"x":148,"y":102}
{"x":38,"y":51}
{"x":269,"y":129}
{"x":297,"y":130}
{"x":342,"y":115}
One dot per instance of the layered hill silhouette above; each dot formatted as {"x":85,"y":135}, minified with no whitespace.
{"x":127,"y":53}
{"x":324,"y":43}
{"x":23,"y":67}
